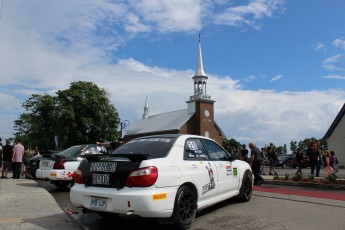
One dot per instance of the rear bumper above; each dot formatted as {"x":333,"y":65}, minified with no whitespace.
{"x":60,"y":175}
{"x":145,"y":202}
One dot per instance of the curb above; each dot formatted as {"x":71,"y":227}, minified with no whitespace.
{"x":306,"y":184}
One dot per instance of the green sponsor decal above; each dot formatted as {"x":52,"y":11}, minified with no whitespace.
{"x":235,"y":171}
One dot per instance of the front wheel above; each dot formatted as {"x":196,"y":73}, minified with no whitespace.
{"x":184,"y":207}
{"x":246,"y":189}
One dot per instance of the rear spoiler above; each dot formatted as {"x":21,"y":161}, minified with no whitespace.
{"x":130,"y":157}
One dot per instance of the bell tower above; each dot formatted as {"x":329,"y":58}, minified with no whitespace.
{"x":200,"y":103}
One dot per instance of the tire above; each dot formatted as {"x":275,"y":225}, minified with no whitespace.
{"x":184,"y":207}
{"x":108,"y":215}
{"x":246,"y":190}
{"x":61,"y":184}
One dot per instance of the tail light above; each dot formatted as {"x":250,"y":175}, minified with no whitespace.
{"x":59,"y":164}
{"x":79,"y":177}
{"x":143,"y":177}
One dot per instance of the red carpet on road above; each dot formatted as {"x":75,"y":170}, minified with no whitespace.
{"x":302,"y":192}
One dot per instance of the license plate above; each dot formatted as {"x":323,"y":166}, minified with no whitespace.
{"x":98,"y":203}
{"x":101,"y":179}
{"x":34,"y":163}
{"x":45,"y":163}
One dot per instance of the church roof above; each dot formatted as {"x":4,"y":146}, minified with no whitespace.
{"x":160,"y":122}
{"x":335,"y":123}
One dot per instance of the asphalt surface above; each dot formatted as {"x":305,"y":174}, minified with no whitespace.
{"x":26,"y":205}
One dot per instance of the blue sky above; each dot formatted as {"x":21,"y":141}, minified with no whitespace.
{"x":276,"y":68}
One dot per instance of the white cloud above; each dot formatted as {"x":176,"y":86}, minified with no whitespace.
{"x":339,"y":43}
{"x":333,"y":59}
{"x":318,"y":46}
{"x":248,"y":14}
{"x":276,"y":78}
{"x":335,"y":77}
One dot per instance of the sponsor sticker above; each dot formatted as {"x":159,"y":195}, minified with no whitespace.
{"x":235,"y":171}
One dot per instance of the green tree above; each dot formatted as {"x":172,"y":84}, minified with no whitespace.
{"x":293,"y":146}
{"x":36,"y":126}
{"x":231,"y":144}
{"x":78,"y":115}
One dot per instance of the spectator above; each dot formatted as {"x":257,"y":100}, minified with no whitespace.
{"x":255,"y":163}
{"x":26,"y":158}
{"x":17,"y":158}
{"x":299,"y":160}
{"x":1,"y":153}
{"x":238,"y":153}
{"x":7,"y":159}
{"x":272,"y":156}
{"x":319,"y":158}
{"x":333,"y":161}
{"x":313,"y":154}
{"x":328,"y":167}
{"x":263,"y":161}
{"x":35,"y":151}
{"x":244,"y":153}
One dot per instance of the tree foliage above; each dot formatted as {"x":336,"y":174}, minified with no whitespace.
{"x":78,"y":115}
{"x":231,"y":144}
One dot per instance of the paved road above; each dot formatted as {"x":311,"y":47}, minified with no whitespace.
{"x":272,"y":207}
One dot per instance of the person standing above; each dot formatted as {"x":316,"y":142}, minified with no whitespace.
{"x":244,"y":153}
{"x":333,"y":161}
{"x":263,"y":161}
{"x":272,"y":156}
{"x":255,"y":162}
{"x":17,"y":158}
{"x":238,"y":154}
{"x":1,"y":153}
{"x":319,"y":158}
{"x":312,"y":154}
{"x":7,"y":159}
{"x":299,"y":160}
{"x":328,"y":167}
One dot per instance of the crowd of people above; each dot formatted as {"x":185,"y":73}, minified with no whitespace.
{"x":315,"y":155}
{"x":14,"y":158}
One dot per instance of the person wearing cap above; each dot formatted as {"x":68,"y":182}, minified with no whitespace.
{"x":299,"y":160}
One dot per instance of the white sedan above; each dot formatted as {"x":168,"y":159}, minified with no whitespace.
{"x":60,"y":168}
{"x":163,"y":176}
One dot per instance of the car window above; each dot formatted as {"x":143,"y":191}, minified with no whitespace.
{"x":194,"y":150}
{"x":214,"y":151}
{"x":153,"y":146}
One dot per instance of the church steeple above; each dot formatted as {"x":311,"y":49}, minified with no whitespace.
{"x":200,"y":79}
{"x":199,"y":67}
{"x":146,"y":109}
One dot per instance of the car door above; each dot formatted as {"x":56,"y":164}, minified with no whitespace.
{"x":227,"y":179}
{"x":202,"y":171}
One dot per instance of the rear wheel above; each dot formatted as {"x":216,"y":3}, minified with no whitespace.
{"x":61,"y":184}
{"x":184,"y":208}
{"x":246,"y":189}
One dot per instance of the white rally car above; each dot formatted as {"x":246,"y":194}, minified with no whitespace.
{"x":164,"y":176}
{"x":60,"y":168}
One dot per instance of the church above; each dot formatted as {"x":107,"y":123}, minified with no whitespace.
{"x":197,"y":118}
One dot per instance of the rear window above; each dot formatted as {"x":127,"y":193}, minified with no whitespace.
{"x":157,"y":147}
